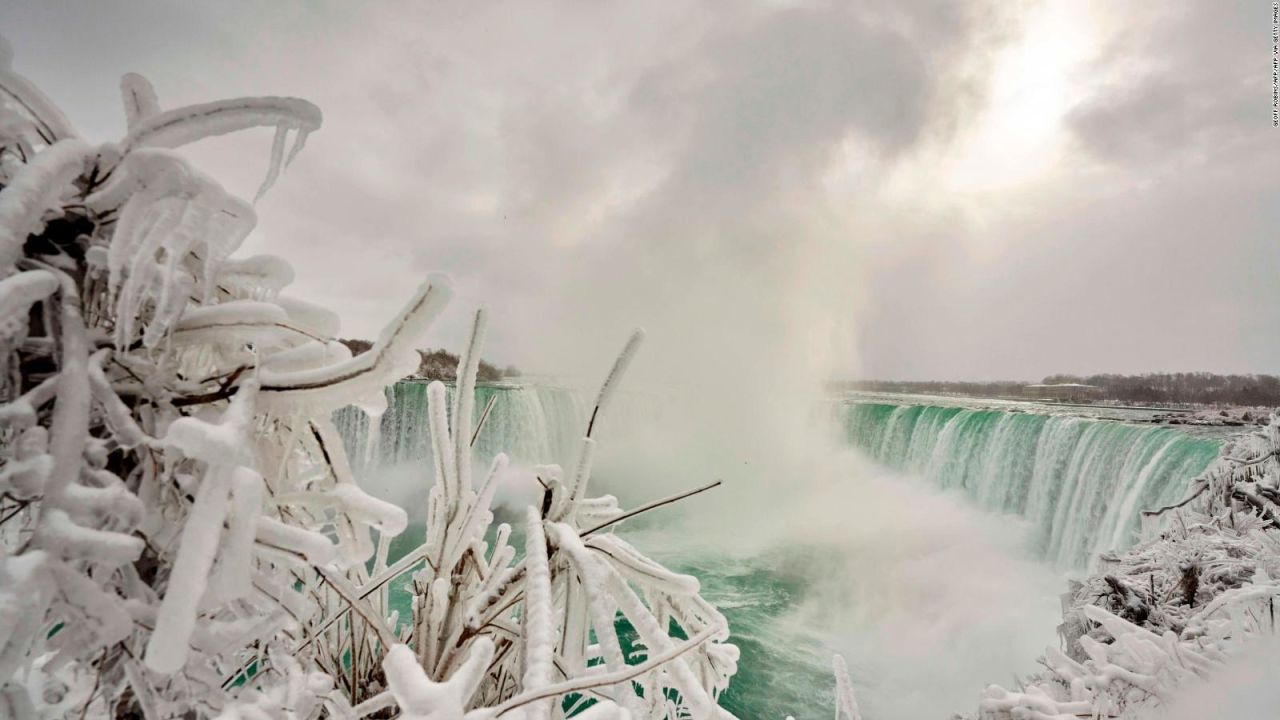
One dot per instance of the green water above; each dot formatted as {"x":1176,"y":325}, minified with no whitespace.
{"x":1081,"y":482}
{"x":780,"y":673}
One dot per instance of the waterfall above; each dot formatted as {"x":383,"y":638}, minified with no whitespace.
{"x":531,"y":423}
{"x":1081,"y":482}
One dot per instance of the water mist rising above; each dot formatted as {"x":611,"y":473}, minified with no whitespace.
{"x":739,"y":261}
{"x":925,"y":595}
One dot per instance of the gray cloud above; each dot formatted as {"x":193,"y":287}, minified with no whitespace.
{"x":584,"y":169}
{"x":1185,"y":83}
{"x":1153,"y":248}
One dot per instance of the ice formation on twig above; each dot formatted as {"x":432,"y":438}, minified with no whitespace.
{"x":180,"y":532}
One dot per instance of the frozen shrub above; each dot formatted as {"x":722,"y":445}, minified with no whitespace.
{"x":180,"y":534}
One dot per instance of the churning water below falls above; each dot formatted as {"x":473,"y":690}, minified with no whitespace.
{"x":928,"y":545}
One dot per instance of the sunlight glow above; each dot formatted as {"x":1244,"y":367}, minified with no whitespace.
{"x":1019,"y":137}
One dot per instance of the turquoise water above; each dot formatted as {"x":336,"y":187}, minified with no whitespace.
{"x":780,"y":673}
{"x":1080,"y":480}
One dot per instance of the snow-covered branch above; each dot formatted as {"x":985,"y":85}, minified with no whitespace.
{"x":180,"y":532}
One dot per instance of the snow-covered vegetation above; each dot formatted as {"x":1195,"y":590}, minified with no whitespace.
{"x":1193,"y":604}
{"x":180,"y":533}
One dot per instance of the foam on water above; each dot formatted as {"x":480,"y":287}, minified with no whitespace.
{"x":928,"y":598}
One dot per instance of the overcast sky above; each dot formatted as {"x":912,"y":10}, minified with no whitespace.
{"x":886,"y":189}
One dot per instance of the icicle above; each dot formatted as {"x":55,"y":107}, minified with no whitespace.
{"x":277,"y":160}
{"x":299,"y":142}
{"x":574,"y":629}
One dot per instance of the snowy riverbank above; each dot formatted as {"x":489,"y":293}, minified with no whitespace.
{"x":1144,"y":635}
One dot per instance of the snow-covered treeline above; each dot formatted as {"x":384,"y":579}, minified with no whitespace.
{"x":1187,"y":607}
{"x":180,"y":533}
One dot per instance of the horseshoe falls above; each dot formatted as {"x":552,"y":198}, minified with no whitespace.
{"x":1082,"y":482}
{"x":928,"y":545}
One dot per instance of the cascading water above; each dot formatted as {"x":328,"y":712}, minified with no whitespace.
{"x":1081,"y":482}
{"x":870,"y":552}
{"x":531,"y":423}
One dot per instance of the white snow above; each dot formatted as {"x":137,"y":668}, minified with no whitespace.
{"x":36,"y":188}
{"x":140,"y":101}
{"x":167,"y":648}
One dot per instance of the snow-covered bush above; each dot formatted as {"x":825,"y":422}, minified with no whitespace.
{"x":1173,"y":611}
{"x":180,"y":533}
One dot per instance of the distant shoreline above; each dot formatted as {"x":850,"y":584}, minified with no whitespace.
{"x":1203,"y":416}
{"x":1173,"y":392}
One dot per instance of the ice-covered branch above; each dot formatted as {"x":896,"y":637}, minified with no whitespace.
{"x":51,"y":124}
{"x":37,"y":189}
{"x":181,"y":532}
